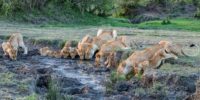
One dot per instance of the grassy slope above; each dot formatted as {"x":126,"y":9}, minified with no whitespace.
{"x":75,"y":19}
{"x":176,"y":24}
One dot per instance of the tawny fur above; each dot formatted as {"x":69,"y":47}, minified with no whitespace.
{"x":101,"y":38}
{"x":145,"y":55}
{"x":69,"y":50}
{"x":87,"y":39}
{"x":127,"y":41}
{"x":73,"y":52}
{"x":107,"y":34}
{"x":10,"y":47}
{"x":116,"y":57}
{"x":156,"y":60}
{"x":57,"y":54}
{"x":65,"y":51}
{"x":107,"y":48}
{"x":44,"y":51}
{"x":86,"y":50}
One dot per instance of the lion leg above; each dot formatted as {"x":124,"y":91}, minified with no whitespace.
{"x":24,"y":47}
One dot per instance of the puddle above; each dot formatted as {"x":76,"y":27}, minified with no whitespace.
{"x":67,"y":68}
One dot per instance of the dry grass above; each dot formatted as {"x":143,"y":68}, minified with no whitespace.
{"x":76,"y":33}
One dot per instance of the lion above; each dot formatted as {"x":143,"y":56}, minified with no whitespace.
{"x":102,"y":37}
{"x":116,"y":57}
{"x":87,"y":39}
{"x":69,"y":49}
{"x":44,"y":51}
{"x":86,"y":50}
{"x":107,"y":34}
{"x":127,"y":41}
{"x":11,"y":46}
{"x":156,"y":61}
{"x":56,"y":54}
{"x":131,"y":63}
{"x":107,"y":48}
{"x":73,"y":52}
{"x":65,"y":51}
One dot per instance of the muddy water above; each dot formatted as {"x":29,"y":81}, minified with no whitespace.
{"x":71,"y":69}
{"x":83,"y":71}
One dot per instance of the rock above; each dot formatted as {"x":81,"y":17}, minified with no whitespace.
{"x":73,"y":91}
{"x":66,"y":82}
{"x":196,"y":95}
{"x":122,"y":86}
{"x":22,"y":70}
{"x":187,"y":82}
{"x":85,"y":90}
{"x":44,"y":70}
{"x":102,"y":69}
{"x":32,"y":52}
{"x":43,"y":81}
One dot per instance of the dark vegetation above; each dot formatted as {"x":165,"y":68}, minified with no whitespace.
{"x":97,"y":12}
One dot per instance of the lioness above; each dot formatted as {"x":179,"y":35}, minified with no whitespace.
{"x":89,"y":48}
{"x":45,"y":51}
{"x":116,"y":57}
{"x":69,"y":49}
{"x":65,"y":51}
{"x":86,"y":50}
{"x":87,"y":39}
{"x":131,"y":63}
{"x":57,"y":54}
{"x":11,"y":46}
{"x":107,"y":48}
{"x":107,"y":34}
{"x":73,"y":52}
{"x":156,"y":61}
{"x":127,"y":40}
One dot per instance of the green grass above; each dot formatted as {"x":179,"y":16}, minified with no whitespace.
{"x":182,"y":70}
{"x":176,"y":24}
{"x":6,"y":78}
{"x":32,"y":97}
{"x":91,"y":20}
{"x":50,"y":17}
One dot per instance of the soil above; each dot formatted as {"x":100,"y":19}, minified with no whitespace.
{"x":32,"y":74}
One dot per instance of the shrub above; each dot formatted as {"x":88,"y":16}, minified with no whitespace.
{"x":197,"y":14}
{"x":166,"y":21}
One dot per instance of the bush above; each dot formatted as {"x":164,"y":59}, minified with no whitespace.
{"x":197,"y":14}
{"x":166,"y":21}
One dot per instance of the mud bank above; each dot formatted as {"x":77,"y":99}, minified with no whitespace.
{"x":45,"y":77}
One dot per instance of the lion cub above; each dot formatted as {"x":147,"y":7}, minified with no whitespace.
{"x":11,"y":46}
{"x":45,"y":51}
{"x":73,"y":52}
{"x":65,"y":50}
{"x":69,"y":50}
